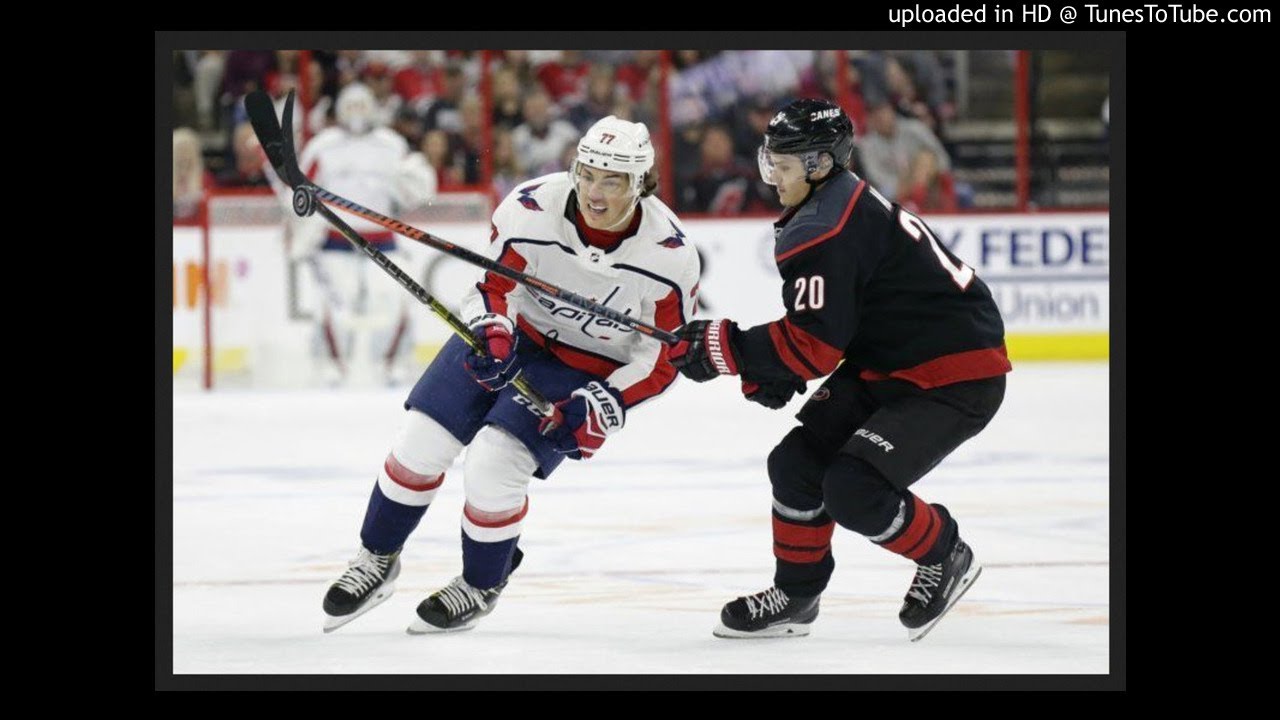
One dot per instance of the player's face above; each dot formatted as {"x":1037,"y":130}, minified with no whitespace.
{"x":789,"y":177}
{"x":603,"y":197}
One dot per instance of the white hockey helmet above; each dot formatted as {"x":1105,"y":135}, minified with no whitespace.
{"x":617,"y":146}
{"x":356,"y":108}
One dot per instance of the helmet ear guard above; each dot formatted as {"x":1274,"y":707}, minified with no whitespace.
{"x":818,"y":162}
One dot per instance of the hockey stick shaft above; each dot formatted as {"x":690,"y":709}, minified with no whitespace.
{"x":304,"y":206}
{"x":296,"y":179}
{"x":474,"y":258}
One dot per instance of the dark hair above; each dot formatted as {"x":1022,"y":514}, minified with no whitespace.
{"x":650,"y":182}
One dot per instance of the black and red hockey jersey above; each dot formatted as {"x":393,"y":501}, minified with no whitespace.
{"x":868,"y":282}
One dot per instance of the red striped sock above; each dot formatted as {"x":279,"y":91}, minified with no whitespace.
{"x":920,"y":532}
{"x":802,"y":541}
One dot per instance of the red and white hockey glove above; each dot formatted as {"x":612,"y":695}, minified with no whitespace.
{"x":500,"y":365}
{"x":581,"y":422}
{"x":704,"y":351}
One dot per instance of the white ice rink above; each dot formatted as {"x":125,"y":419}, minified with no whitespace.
{"x":630,"y":556}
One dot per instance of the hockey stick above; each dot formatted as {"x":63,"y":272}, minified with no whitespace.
{"x":279,"y":149}
{"x":278,"y":145}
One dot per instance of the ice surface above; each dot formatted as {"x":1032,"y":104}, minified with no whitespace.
{"x":629,"y":556}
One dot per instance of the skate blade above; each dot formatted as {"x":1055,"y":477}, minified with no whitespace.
{"x":919,"y":633}
{"x":777,"y":631}
{"x":422,"y":627}
{"x":333,"y":622}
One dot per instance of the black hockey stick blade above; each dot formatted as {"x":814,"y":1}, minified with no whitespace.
{"x":276,"y":143}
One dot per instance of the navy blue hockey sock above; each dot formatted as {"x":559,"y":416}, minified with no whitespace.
{"x":387,"y":523}
{"x":486,"y":564}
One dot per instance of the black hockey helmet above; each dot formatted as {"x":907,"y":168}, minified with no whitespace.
{"x":809,"y":127}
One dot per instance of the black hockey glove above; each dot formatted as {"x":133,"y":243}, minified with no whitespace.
{"x":773,"y":394}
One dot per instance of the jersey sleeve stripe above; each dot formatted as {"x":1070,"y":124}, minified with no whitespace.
{"x":494,"y":288}
{"x":666,"y":316}
{"x":822,"y":357}
{"x":664,"y":373}
{"x":789,"y":357}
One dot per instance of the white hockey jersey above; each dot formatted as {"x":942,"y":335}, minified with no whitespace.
{"x":375,"y":169}
{"x":652,"y":275}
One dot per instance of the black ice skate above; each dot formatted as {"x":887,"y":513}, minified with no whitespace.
{"x":766,"y":614}
{"x":370,"y":579}
{"x":936,"y":588}
{"x":458,"y":605}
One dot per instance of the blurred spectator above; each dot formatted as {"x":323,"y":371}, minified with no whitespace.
{"x":565,"y":80}
{"x":624,"y":109}
{"x":410,"y":126}
{"x":247,"y":169}
{"x":506,"y":98}
{"x":599,"y":101}
{"x":190,"y":179}
{"x":750,"y":122}
{"x":377,"y":76}
{"x":913,"y":81}
{"x":519,"y":63}
{"x":686,"y":153}
{"x":540,"y":139}
{"x":392,"y":60}
{"x":507,"y":170}
{"x":439,"y":151}
{"x":609,"y":57}
{"x":209,"y":70}
{"x":443,"y":113}
{"x":712,"y":89}
{"x":905,"y":161}
{"x":197,"y":87}
{"x":328,"y":62}
{"x":823,"y":80}
{"x":683,"y":59}
{"x":284,"y":76}
{"x":723,"y":184}
{"x":320,"y":115}
{"x":421,"y":80}
{"x":471,"y":140}
{"x":246,"y":71}
{"x":640,"y":75}
{"x":184,"y":99}
{"x":347,"y":66}
{"x":917,"y":88}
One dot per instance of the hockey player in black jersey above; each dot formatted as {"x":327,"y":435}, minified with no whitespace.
{"x":914,"y":346}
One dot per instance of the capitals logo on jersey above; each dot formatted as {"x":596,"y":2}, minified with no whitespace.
{"x":674,"y":241}
{"x":527,"y":200}
{"x":592,"y":325}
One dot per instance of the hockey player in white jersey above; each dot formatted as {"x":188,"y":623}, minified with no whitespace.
{"x":598,"y":231}
{"x":362,"y":328}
